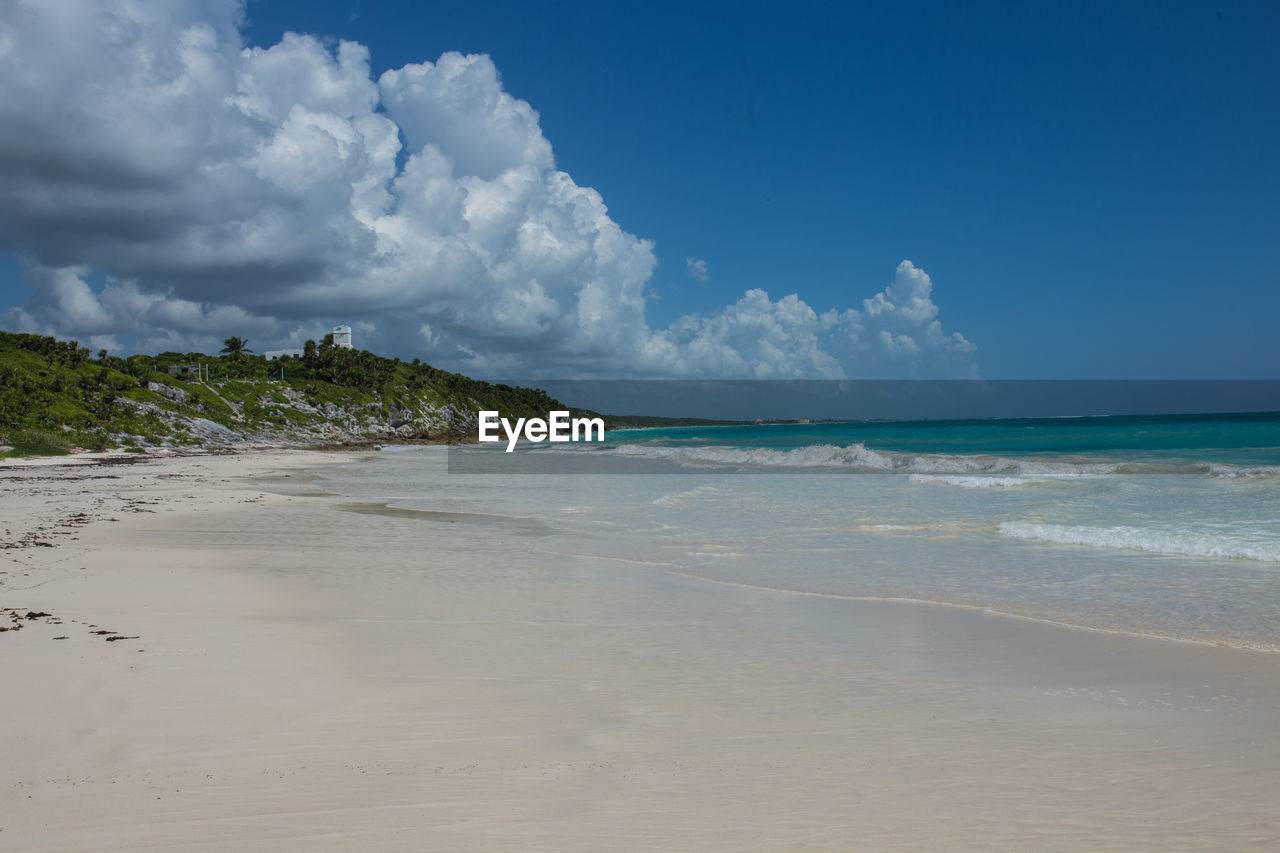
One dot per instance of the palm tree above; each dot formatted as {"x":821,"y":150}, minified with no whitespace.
{"x":235,"y":347}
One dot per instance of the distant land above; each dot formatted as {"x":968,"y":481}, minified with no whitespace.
{"x":655,"y":422}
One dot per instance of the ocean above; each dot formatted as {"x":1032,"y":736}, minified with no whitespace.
{"x":1162,"y":526}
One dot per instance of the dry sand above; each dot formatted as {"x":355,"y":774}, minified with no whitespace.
{"x":295,"y":675}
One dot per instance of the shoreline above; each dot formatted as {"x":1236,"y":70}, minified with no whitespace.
{"x":530,"y":523}
{"x":327,"y":678}
{"x":988,"y":610}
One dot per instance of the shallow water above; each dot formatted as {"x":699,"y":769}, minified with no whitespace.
{"x":1174,"y":541}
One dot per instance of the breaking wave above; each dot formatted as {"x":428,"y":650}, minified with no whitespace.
{"x":984,"y":481}
{"x":1243,"y":472}
{"x":859,"y":457}
{"x":1246,"y":545}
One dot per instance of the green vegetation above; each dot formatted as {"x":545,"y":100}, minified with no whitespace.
{"x":236,"y":347}
{"x":54,"y":397}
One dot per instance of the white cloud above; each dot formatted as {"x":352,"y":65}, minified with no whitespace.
{"x":906,"y":315}
{"x":264,"y":192}
{"x":458,"y":107}
{"x":755,"y":337}
{"x":894,"y":335}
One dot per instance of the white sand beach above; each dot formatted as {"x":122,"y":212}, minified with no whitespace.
{"x":285,"y":670}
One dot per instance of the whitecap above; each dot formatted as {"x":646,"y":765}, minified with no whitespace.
{"x":1253,"y":544}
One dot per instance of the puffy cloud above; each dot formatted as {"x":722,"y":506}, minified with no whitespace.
{"x":697,"y":269}
{"x":458,"y":107}
{"x":895,"y":334}
{"x":220,"y":189}
{"x":755,"y":337}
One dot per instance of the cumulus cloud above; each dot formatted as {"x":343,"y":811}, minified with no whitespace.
{"x":209,"y":188}
{"x":697,"y":269}
{"x":894,"y":334}
{"x":755,"y":337}
{"x":899,"y":326}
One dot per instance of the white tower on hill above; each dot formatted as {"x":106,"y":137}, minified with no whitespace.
{"x":342,"y":336}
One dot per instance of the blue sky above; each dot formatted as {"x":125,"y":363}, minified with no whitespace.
{"x":1087,"y":189}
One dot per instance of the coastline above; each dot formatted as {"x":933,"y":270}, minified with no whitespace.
{"x":987,"y":610}
{"x":323,"y":678}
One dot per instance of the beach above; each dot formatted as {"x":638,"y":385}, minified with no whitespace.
{"x":294,"y":666}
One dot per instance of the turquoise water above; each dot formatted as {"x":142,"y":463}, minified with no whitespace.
{"x":1165,"y":527}
{"x":1237,"y":439}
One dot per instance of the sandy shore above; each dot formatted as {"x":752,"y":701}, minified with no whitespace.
{"x":287,"y":670}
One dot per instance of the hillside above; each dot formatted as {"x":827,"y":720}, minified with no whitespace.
{"x":56,"y":397}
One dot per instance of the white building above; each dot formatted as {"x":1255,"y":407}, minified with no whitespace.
{"x":341,"y":338}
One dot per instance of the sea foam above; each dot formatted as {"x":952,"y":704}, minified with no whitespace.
{"x":1243,"y":472}
{"x":1243,"y":544}
{"x":979,"y":481}
{"x":858,"y":457}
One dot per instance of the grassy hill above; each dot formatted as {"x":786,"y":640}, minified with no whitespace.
{"x":55,"y":397}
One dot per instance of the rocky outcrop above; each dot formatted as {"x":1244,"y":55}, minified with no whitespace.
{"x":177,"y":395}
{"x":275,"y":414}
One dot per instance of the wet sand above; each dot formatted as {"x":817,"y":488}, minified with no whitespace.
{"x":295,"y":672}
